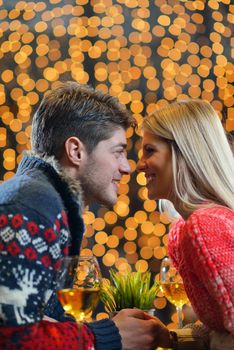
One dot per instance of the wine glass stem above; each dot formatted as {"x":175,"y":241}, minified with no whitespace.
{"x":179,"y":315}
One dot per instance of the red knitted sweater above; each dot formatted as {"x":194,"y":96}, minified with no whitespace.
{"x":202,"y":249}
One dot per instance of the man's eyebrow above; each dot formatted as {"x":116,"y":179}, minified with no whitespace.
{"x":123,"y":145}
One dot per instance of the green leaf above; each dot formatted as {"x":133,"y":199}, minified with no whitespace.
{"x":128,"y":290}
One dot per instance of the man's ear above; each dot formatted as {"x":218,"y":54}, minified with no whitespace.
{"x":74,"y":150}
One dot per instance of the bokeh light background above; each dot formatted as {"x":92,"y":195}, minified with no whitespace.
{"x":147,"y":54}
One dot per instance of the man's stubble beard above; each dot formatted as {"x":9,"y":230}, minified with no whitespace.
{"x":93,"y":192}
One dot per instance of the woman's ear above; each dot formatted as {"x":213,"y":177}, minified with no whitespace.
{"x":74,"y":150}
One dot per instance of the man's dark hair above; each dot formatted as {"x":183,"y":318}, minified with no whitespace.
{"x":76,"y":110}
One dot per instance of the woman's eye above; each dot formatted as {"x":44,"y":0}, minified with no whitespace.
{"x":148,"y":150}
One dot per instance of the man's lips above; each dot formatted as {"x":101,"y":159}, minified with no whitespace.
{"x":116,"y":184}
{"x":116,"y":181}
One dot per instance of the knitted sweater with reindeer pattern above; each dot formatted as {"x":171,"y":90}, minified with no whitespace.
{"x":40,"y":222}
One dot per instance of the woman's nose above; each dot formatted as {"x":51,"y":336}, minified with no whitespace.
{"x":140,"y":165}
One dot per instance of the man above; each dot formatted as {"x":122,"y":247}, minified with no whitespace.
{"x":78,"y":142}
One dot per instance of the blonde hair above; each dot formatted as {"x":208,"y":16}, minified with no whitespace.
{"x":202,"y":160}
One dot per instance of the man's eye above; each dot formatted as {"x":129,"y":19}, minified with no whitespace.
{"x":120,"y":151}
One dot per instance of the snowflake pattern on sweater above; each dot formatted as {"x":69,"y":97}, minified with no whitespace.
{"x":27,"y":242}
{"x":202,"y":249}
{"x":40,"y":223}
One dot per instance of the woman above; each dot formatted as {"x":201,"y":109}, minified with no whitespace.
{"x":188,"y":161}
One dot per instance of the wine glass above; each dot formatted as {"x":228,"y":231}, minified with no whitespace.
{"x":173,"y":288}
{"x":78,"y":286}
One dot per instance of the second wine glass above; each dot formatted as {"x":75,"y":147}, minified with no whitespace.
{"x":78,"y":286}
{"x":173,"y":288}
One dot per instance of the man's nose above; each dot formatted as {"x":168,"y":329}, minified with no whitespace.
{"x":125,"y":166}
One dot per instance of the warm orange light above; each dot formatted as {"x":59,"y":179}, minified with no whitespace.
{"x":146,"y":59}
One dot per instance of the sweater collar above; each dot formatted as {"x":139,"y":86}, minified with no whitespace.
{"x":51,"y":163}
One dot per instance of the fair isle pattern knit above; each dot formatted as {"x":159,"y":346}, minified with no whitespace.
{"x":28,"y":243}
{"x":40,"y":223}
{"x":202,"y":249}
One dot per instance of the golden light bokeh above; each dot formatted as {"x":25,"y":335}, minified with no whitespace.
{"x":147,"y":54}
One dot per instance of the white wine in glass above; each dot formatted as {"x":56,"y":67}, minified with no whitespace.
{"x":172,"y":287}
{"x":78,"y":286}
